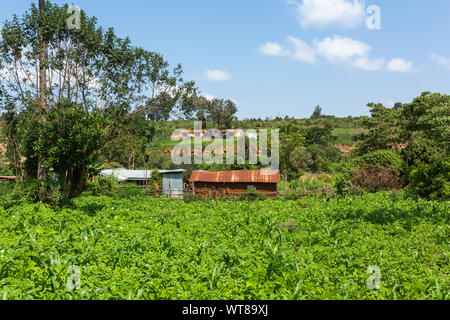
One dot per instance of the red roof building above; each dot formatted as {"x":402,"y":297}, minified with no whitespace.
{"x":235,"y":183}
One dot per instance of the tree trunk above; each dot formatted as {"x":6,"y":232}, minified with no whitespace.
{"x":285,"y":181}
{"x":41,"y":171}
{"x":77,"y":180}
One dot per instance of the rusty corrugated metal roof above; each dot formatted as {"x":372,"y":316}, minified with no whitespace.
{"x":244,"y":176}
{"x":7,"y":178}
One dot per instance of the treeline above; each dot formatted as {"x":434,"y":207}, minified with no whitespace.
{"x":406,"y":145}
{"x":394,"y":148}
{"x":66,"y":93}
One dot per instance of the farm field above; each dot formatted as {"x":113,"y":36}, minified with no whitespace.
{"x":141,"y":248}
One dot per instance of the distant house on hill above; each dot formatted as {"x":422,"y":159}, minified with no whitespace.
{"x":172,"y":179}
{"x":208,"y":134}
{"x":235,"y":182}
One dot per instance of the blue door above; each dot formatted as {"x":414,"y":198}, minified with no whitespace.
{"x":173,"y":185}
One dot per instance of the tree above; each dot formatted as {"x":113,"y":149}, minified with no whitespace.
{"x":301,"y":159}
{"x":318,"y":139}
{"x":385,"y":129}
{"x":432,"y":180}
{"x":41,"y":171}
{"x":221,"y":112}
{"x":317,"y":113}
{"x":428,"y":115}
{"x":169,"y":95}
{"x":291,"y":137}
{"x":91,"y":82}
{"x":201,"y":104}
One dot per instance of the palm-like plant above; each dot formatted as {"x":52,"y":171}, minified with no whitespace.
{"x":313,"y":177}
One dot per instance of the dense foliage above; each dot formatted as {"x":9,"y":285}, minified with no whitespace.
{"x":89,"y":82}
{"x":139,"y":248}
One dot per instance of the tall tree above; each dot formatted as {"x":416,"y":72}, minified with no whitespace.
{"x":202,"y":105}
{"x":385,"y":129}
{"x":291,"y":137}
{"x":317,"y":113}
{"x":221,"y":112}
{"x":426,"y":122}
{"x":41,"y":171}
{"x":87,"y":83}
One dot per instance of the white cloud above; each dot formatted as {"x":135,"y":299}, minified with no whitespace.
{"x":340,"y":49}
{"x":368,"y":64}
{"x":321,"y":13}
{"x":217,"y":75}
{"x":347,"y":52}
{"x":273,"y":49}
{"x":211,"y":97}
{"x":388,"y":102}
{"x":440,"y":61}
{"x":302,"y":51}
{"x":208,"y":96}
{"x":400,"y":65}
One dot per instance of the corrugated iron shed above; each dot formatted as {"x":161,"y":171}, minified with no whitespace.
{"x":124,"y":175}
{"x":172,"y":171}
{"x":243,"y":176}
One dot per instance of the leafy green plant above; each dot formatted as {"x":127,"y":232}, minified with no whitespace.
{"x":432,"y":180}
{"x":109,"y":186}
{"x":49,"y":192}
{"x":341,"y":185}
{"x":252,"y":195}
{"x":147,"y":248}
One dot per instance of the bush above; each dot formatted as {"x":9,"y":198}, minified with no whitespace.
{"x":341,"y":185}
{"x":376,"y":178}
{"x":252,"y":195}
{"x":128,"y":190}
{"x":154,"y":186}
{"x":432,"y":181}
{"x":191,"y":197}
{"x":107,"y":186}
{"x":421,"y":151}
{"x":101,"y":186}
{"x":376,"y":171}
{"x":331,"y":154}
{"x":49,"y":192}
{"x":384,"y":158}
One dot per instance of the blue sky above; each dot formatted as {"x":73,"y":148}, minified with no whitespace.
{"x":283,"y":57}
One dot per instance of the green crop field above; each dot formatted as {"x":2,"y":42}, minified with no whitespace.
{"x":142,"y":248}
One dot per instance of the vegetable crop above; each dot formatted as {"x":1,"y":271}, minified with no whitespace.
{"x":143,"y":248}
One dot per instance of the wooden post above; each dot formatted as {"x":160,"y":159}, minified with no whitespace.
{"x":285,"y":181}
